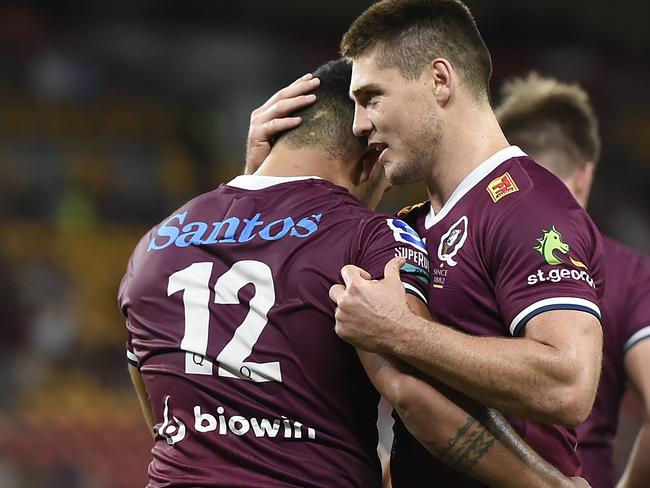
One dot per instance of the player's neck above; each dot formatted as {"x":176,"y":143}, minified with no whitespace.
{"x":467,"y":142}
{"x":287,"y":162}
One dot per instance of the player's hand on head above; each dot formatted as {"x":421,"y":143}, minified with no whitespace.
{"x":271,"y":118}
{"x":367,"y":310}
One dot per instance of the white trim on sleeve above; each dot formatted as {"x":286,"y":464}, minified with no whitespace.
{"x":415,"y":291}
{"x":558,"y":303}
{"x":637,"y":337}
{"x":132,"y":357}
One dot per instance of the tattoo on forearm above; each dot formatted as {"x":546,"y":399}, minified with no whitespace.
{"x":471,"y":443}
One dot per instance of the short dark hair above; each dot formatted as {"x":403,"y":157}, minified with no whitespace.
{"x":411,"y":33}
{"x":327,"y":124}
{"x":540,"y":114}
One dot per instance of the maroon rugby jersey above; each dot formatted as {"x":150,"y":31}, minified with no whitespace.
{"x":626,"y":322}
{"x":510,"y":243}
{"x":231,"y":325}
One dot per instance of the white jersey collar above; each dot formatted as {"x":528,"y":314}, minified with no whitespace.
{"x":471,"y":180}
{"x":255,"y":182}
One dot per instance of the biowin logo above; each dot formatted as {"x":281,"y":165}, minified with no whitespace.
{"x":172,"y":429}
{"x":553,"y":249}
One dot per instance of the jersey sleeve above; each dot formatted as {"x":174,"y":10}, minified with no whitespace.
{"x":131,"y":357}
{"x":544,"y":254}
{"x":383,"y":238}
{"x":123,"y":302}
{"x":637,"y":326}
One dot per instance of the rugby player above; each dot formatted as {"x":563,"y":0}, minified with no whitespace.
{"x":515,"y":261}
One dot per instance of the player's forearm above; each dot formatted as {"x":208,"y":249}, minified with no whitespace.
{"x":487,"y":449}
{"x":480,"y":444}
{"x":637,"y":471}
{"x":143,"y":398}
{"x":517,"y":376}
{"x":469,"y":437}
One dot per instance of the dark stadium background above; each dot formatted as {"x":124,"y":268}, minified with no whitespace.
{"x":112,"y":113}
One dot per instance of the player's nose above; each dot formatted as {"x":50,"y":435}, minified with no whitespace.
{"x":361,"y":125}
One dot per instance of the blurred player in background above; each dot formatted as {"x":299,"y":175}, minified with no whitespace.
{"x":555,"y":123}
{"x":232,"y":346}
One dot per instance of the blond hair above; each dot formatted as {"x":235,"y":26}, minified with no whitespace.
{"x":542,"y":114}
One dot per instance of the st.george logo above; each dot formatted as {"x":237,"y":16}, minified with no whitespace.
{"x":452,"y":241}
{"x":553,"y":248}
{"x":550,"y":244}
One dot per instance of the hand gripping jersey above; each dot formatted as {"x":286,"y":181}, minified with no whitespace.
{"x":510,"y":243}
{"x":626,"y":322}
{"x":231,"y":325}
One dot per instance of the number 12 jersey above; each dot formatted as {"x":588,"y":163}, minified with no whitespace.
{"x":230,"y":323}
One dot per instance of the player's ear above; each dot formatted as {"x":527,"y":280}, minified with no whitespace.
{"x":366,"y":166}
{"x":442,"y":79}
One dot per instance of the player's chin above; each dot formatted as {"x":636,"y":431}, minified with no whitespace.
{"x":398,"y":173}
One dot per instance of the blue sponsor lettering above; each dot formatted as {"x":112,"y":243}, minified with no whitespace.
{"x":230,"y":230}
{"x":231,"y":225}
{"x":250,"y":224}
{"x":287,"y":225}
{"x":306,"y":224}
{"x":167,"y":230}
{"x":192,"y":234}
